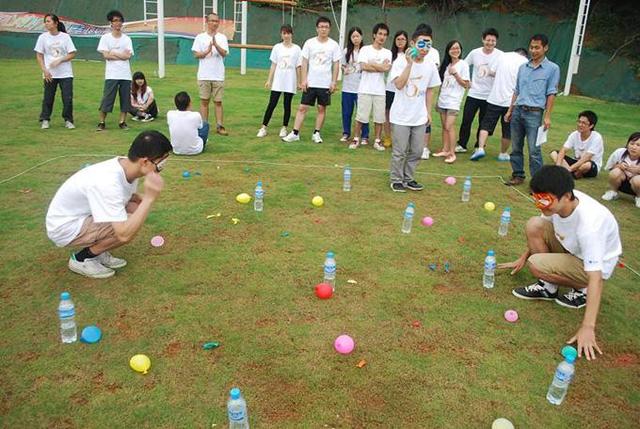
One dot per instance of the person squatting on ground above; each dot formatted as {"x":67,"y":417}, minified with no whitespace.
{"x":587,"y":145}
{"x":351,"y":75}
{"x":143,"y":103}
{"x":624,"y":170}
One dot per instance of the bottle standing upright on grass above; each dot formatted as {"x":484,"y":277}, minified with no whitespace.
{"x":237,"y":410}
{"x":258,"y":201}
{"x":346,"y":184}
{"x":563,"y":376}
{"x":489,"y":278}
{"x":466,"y":190}
{"x":408,"y":218}
{"x":505,"y":220}
{"x":66,"y":313}
{"x":330,"y":270}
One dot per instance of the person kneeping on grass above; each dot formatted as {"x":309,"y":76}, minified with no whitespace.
{"x":98,"y":208}
{"x":575,"y":243}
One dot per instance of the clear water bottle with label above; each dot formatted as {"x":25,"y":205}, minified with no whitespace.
{"x":408,"y":218}
{"x":237,"y":410}
{"x":346,"y":184}
{"x":258,"y":201}
{"x":505,"y":220}
{"x":489,"y":277}
{"x":330,"y":270}
{"x":67,"y":313}
{"x":563,"y":376}
{"x":466,"y":190}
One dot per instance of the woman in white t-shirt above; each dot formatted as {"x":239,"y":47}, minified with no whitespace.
{"x":400,"y":43}
{"x":143,"y":103}
{"x":454,"y":73}
{"x":624,"y":164}
{"x":351,"y":75}
{"x":54,"y":52}
{"x":284,"y":77}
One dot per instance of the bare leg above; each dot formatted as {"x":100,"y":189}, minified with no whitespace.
{"x":322,"y":111}
{"x":300,"y":114}
{"x":427,"y":140}
{"x":378,"y":128}
{"x":204,"y":109}
{"x":482,"y":138}
{"x":554,"y":157}
{"x":106,"y":244}
{"x":219,"y":114}
{"x":449,"y":127}
{"x":504,"y":145}
{"x":616,"y":177}
{"x":583,"y":169}
{"x":102,"y":115}
{"x":357,"y":130}
{"x":123,"y":116}
{"x":635,"y":185}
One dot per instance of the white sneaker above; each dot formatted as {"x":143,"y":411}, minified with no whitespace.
{"x":262,"y":132}
{"x":110,"y":261}
{"x":355,"y":143}
{"x":147,"y":118}
{"x":90,"y":268}
{"x":377,"y":145}
{"x":283,"y":132}
{"x":460,"y":149}
{"x":44,"y":125}
{"x":344,"y":138}
{"x":638,"y":202}
{"x":315,"y":137}
{"x":291,"y":137}
{"x":504,"y":157}
{"x":425,"y":153}
{"x":612,"y":195}
{"x":69,"y":125}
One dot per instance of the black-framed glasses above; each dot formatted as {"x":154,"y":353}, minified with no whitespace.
{"x":160,"y":164}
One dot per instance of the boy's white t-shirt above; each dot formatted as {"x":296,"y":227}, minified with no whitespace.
{"x":287,"y":60}
{"x":116,"y":69}
{"x":506,"y":75}
{"x":183,"y":131}
{"x":591,"y":234}
{"x":409,"y":107}
{"x":140,"y":99}
{"x":210,"y":67}
{"x":321,"y":57}
{"x":451,"y":92}
{"x":434,"y":56}
{"x":99,"y":190}
{"x":593,"y":145}
{"x":53,"y":48}
{"x":352,"y":72}
{"x":482,"y":64}
{"x":372,"y":83}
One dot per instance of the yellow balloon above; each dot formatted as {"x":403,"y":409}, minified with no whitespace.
{"x":243,"y":198}
{"x":317,"y":201}
{"x":489,"y":206}
{"x":140,"y":363}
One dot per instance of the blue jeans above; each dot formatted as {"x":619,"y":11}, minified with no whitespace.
{"x":349,"y":102}
{"x":525,"y":123}
{"x":203,"y":133}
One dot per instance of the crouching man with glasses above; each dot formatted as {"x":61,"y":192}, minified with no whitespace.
{"x":97,"y":209}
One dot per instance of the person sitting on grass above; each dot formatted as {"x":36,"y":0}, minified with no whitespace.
{"x":587,"y":145}
{"x":143,"y":103}
{"x":575,"y":243}
{"x":98,"y":208}
{"x":624,"y":166}
{"x":187,"y":130}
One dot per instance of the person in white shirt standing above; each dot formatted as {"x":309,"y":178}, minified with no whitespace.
{"x":352,"y":73}
{"x":210,"y":48}
{"x":587,"y":145}
{"x":399,"y":45}
{"x":434,"y":56}
{"x":187,"y":130}
{"x":318,"y":78}
{"x":54,"y":52}
{"x":116,"y":48}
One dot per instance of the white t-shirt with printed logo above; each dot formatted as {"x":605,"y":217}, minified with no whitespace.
{"x":53,"y":48}
{"x":287,"y":60}
{"x":372,"y":83}
{"x":116,"y":69}
{"x":140,"y":99}
{"x":210,"y":67}
{"x":591,"y":234}
{"x":99,"y":190}
{"x":434,"y":56}
{"x":321,"y":57}
{"x":482,"y":64}
{"x":593,"y":145}
{"x":183,"y":131}
{"x":451,"y":92}
{"x":504,"y":82}
{"x":352,"y":72}
{"x":409,"y":107}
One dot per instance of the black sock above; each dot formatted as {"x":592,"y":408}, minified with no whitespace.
{"x":84,"y":254}
{"x":316,"y":131}
{"x":296,"y":132}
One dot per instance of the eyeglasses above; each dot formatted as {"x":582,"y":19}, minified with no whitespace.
{"x":543,"y":200}
{"x":213,"y":20}
{"x":160,"y":164}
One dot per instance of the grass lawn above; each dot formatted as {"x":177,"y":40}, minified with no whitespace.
{"x":247,"y":286}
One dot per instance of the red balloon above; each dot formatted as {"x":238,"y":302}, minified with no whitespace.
{"x":324,"y":290}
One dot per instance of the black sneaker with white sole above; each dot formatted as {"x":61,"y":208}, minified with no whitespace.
{"x":572,"y":299}
{"x":398,"y":187}
{"x":535,"y":291}
{"x":414,"y":186}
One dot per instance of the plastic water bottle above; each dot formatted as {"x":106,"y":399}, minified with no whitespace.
{"x":67,"y":313}
{"x":330,"y":270}
{"x":466,"y":190}
{"x":505,"y":220}
{"x":563,"y":376}
{"x":258,"y":201}
{"x":489,"y":278}
{"x":408,"y":218}
{"x":346,"y":184}
{"x":237,"y":410}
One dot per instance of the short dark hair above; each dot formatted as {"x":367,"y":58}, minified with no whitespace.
{"x":322,"y":19}
{"x":553,"y":179}
{"x":286,"y":28}
{"x":149,"y":144}
{"x":380,"y":26}
{"x":490,"y":32}
{"x":115,"y":14}
{"x":591,"y":117}
{"x":424,"y":30}
{"x":182,"y":100}
{"x":522,"y":51}
{"x":542,"y":38}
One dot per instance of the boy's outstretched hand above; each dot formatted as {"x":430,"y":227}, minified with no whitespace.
{"x":586,"y":339}
{"x":516,"y":265}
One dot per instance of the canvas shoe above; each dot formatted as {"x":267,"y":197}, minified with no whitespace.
{"x":610,"y":196}
{"x":460,"y":149}
{"x":44,"y":125}
{"x":123,"y":126}
{"x":283,"y":132}
{"x":535,"y":291}
{"x":478,"y":154}
{"x":90,"y":268}
{"x":364,"y":142}
{"x":504,"y":157}
{"x":426,"y":153}
{"x":101,"y":126}
{"x":291,"y":137}
{"x":69,"y":125}
{"x":135,"y":118}
{"x":148,"y":118}
{"x":572,"y":299}
{"x":110,"y":261}
{"x":377,"y":145}
{"x":262,"y":132}
{"x":355,"y":143}
{"x":398,"y":187}
{"x":222,"y":130}
{"x":344,"y":138}
{"x":414,"y":186}
{"x":315,"y":137}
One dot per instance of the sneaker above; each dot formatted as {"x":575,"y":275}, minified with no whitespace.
{"x":504,"y":157}
{"x":460,"y":149}
{"x":123,"y":126}
{"x":283,"y":132}
{"x":344,"y":138}
{"x":386,"y":142}
{"x":638,"y":202}
{"x":262,"y":132}
{"x":101,"y":126}
{"x":610,"y":196}
{"x":425,"y":153}
{"x":222,"y":131}
{"x":364,"y":142}
{"x":515,"y":181}
{"x":44,"y":125}
{"x":355,"y":143}
{"x":69,"y":125}
{"x":315,"y":137}
{"x":572,"y":299}
{"x":414,"y":186}
{"x":478,"y":154}
{"x":90,"y":268}
{"x":148,"y":118}
{"x":291,"y":137}
{"x":110,"y":261}
{"x":535,"y":291}
{"x":135,"y":118}
{"x":398,"y":187}
{"x":377,"y":145}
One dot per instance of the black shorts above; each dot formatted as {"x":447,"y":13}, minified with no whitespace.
{"x":310,"y":96}
{"x":390,"y":95}
{"x":427,"y":129}
{"x":490,"y":120}
{"x":626,"y":188}
{"x":113,"y":87}
{"x":593,"y":171}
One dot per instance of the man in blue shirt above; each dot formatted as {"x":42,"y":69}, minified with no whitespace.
{"x":531,"y":106}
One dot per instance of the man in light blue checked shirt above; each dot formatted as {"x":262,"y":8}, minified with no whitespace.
{"x":531,"y":106}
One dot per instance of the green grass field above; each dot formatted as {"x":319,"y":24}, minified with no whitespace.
{"x":250,"y":288}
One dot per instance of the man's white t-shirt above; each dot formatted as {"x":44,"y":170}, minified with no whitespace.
{"x":593,"y":145}
{"x":99,"y":190}
{"x":183,"y":131}
{"x":451,"y":92}
{"x":210,"y":67}
{"x":372,"y":83}
{"x":482,"y":64}
{"x":409,"y":107}
{"x":321,"y":57}
{"x":116,"y":69}
{"x":434,"y":56}
{"x":504,"y":82}
{"x":352,"y":72}
{"x":591,"y":234}
{"x":287,"y":60}
{"x":53,"y":48}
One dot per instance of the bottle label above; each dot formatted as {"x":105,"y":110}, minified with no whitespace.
{"x":408,"y":215}
{"x":562,"y":376}
{"x":490,"y":265}
{"x":329,"y":269}
{"x":259,"y":194}
{"x":65,"y":314}
{"x":236,"y":416}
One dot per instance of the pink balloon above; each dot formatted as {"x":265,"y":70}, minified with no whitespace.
{"x":450,"y":180}
{"x":344,"y":344}
{"x":511,"y":315}
{"x":427,"y":221}
{"x":157,"y":241}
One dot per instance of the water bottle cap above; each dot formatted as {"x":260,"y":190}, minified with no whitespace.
{"x":330,"y":254}
{"x":235,"y":393}
{"x":411,"y":205}
{"x":259,"y":183}
{"x":491,"y":253}
{"x":468,"y":178}
{"x":65,"y":296}
{"x":570,"y":354}
{"x":507,"y":209}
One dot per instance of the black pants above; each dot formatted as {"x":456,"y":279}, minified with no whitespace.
{"x":66,"y":87}
{"x":151,"y":110}
{"x":471,"y":106}
{"x":273,"y":102}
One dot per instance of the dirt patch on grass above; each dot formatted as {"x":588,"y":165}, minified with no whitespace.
{"x":626,"y":360}
{"x":79,"y":398}
{"x":172,"y":349}
{"x":443,"y":289}
{"x":28,"y":356}
{"x":99,"y":383}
